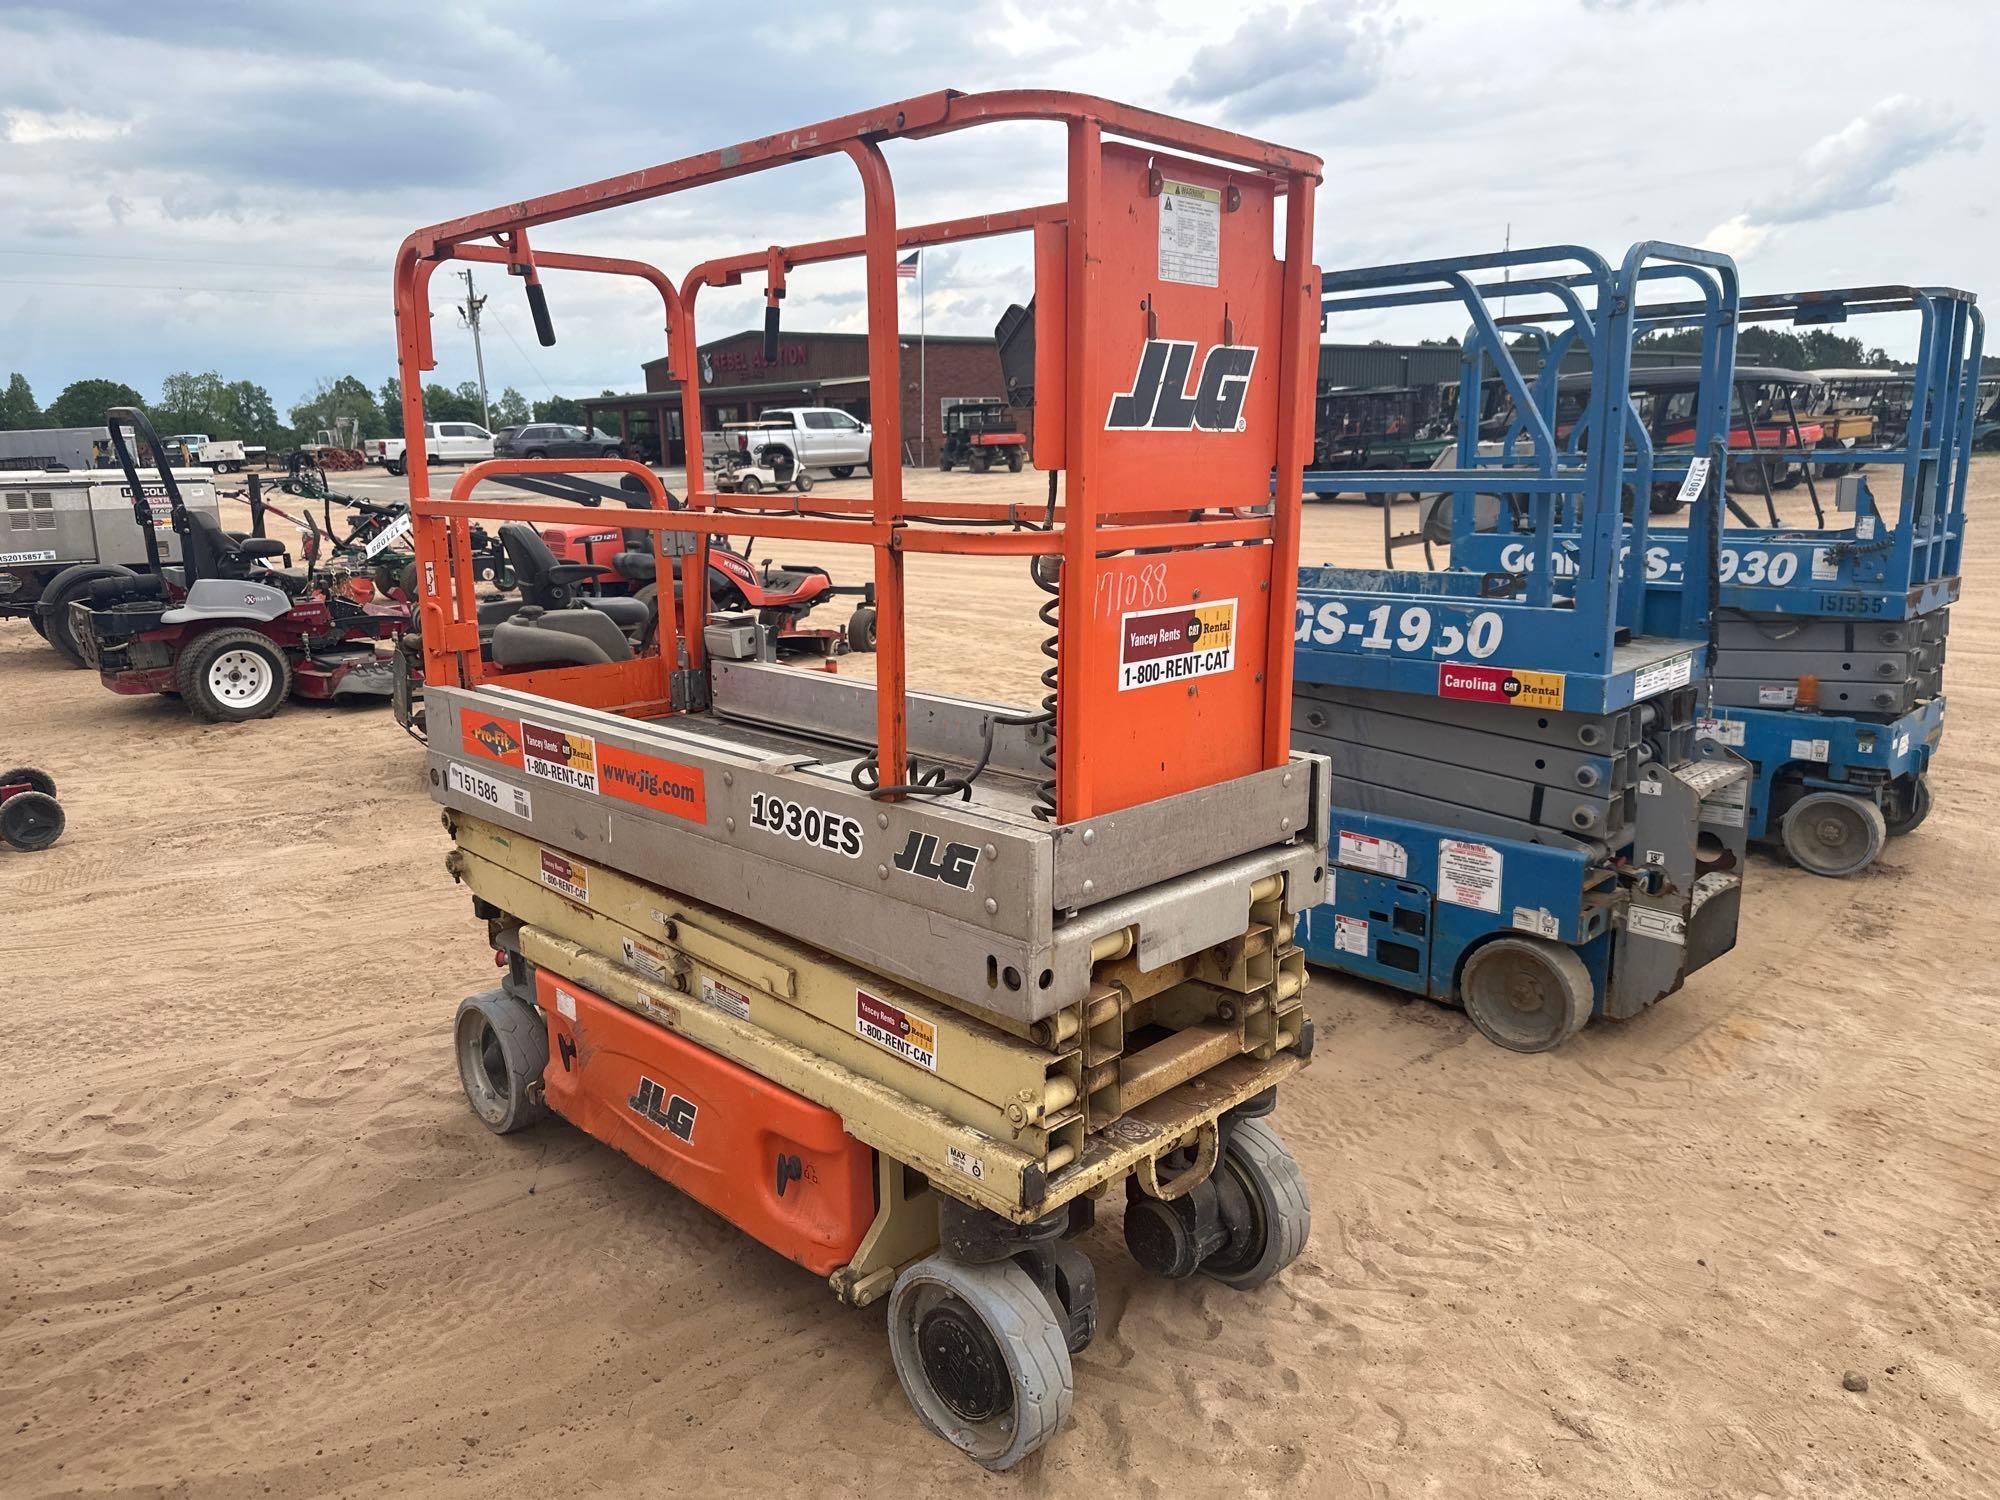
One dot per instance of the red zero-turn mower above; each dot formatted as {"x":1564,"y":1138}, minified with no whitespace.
{"x":781,"y":595}
{"x":30,"y":816}
{"x":228,"y":632}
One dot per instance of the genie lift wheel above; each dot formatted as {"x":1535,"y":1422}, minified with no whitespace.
{"x":1279,"y":1218}
{"x":502,"y":1048}
{"x":982,"y":1357}
{"x":1525,"y":994}
{"x":1830,"y":833}
{"x":30,"y":821}
{"x":1912,"y":805}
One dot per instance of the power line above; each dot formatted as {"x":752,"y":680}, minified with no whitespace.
{"x":502,"y":324}
{"x":151,"y":286}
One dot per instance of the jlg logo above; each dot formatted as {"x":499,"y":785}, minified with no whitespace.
{"x":954,"y":866}
{"x":670,"y":1112}
{"x":1159,"y":400}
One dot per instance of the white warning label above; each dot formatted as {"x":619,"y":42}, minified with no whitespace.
{"x":725,"y":997}
{"x":1363,"y":851}
{"x":1777,"y":697}
{"x":1539,"y":920}
{"x":1469,"y":874}
{"x":1350,"y":935}
{"x":1825,"y":567}
{"x":1662,"y":675}
{"x":1722,"y":731}
{"x":1190,"y":233}
{"x":1811,"y":750}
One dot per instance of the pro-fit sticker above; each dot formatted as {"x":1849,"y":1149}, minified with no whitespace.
{"x":893,"y":1029}
{"x":1178,"y":644}
{"x":565,"y":876}
{"x":491,"y":737}
{"x":562,"y":756}
{"x":1501,"y":685}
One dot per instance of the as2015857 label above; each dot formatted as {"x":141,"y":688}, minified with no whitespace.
{"x":806,"y":825}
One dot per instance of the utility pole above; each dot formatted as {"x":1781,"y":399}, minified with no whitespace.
{"x":468,"y":314}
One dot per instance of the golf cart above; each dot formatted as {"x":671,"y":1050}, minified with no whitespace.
{"x":750,"y":462}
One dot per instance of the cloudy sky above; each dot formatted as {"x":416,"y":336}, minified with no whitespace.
{"x":208,"y":185}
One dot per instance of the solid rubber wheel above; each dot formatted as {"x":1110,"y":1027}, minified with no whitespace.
{"x":1832,"y":834}
{"x":36,"y":781}
{"x":750,"y":484}
{"x":1526,"y":994}
{"x":1280,"y":1211}
{"x":803,"y":483}
{"x":233,"y":676}
{"x":1919,"y":809}
{"x":502,"y":1048}
{"x":31,"y":820}
{"x":861,"y":629}
{"x":981,"y":1356}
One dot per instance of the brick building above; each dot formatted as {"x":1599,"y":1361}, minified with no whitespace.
{"x":812,"y":369}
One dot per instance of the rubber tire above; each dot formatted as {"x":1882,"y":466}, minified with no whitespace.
{"x":1031,"y":1341}
{"x":1810,"y":855}
{"x":861,"y":629}
{"x":30,"y":821}
{"x":1277,"y":1187}
{"x":63,"y":590}
{"x":842,"y":471}
{"x":191,"y":676}
{"x":35,"y":624}
{"x":407,"y":582}
{"x":804,"y":483}
{"x":1567,"y":997}
{"x":396,"y":467}
{"x":1014,"y":461}
{"x":523,"y":1041}
{"x":979,"y":463}
{"x":38,"y":781}
{"x":536,"y":453}
{"x":944,"y":464}
{"x":1920,"y":808}
{"x":1664,"y":501}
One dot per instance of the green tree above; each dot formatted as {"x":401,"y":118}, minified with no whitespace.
{"x":339,"y":403}
{"x":443,"y":404}
{"x":560,"y":409}
{"x":84,"y":402}
{"x":392,"y":404}
{"x":17,"y":405}
{"x":191,"y":403}
{"x":246,"y":412}
{"x":510,"y":409}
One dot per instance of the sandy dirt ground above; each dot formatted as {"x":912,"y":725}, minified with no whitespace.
{"x":253,"y":1242}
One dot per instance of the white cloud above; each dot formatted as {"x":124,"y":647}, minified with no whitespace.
{"x":1278,"y":64}
{"x":34,"y":127}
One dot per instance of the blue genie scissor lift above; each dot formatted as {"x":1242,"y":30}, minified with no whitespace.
{"x":1526,"y":819}
{"x":1830,"y":628}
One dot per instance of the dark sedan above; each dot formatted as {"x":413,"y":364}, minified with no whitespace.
{"x":554,"y":440}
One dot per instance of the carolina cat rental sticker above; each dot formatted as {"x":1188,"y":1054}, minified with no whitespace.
{"x":1176,"y":644}
{"x":1501,"y":685}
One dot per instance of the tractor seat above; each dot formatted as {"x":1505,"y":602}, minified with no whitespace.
{"x":537,"y":637}
{"x":225,"y":555}
{"x":636,"y":567}
{"x":552,"y":585}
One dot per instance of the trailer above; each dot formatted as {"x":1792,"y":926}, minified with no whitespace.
{"x":1831,"y":623}
{"x":53,"y":449}
{"x":1525,"y":819}
{"x":910,"y":987}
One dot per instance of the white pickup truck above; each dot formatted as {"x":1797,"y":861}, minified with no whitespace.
{"x":444,"y":443}
{"x":218,"y":455}
{"x":819,"y":437}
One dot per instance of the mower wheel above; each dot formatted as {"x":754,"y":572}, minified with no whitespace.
{"x":842,"y":471}
{"x":1912,"y":810}
{"x":1832,"y":834}
{"x":1280,"y":1213}
{"x":64,"y":590}
{"x":861,"y":629}
{"x":30,"y":821}
{"x":232,"y":676}
{"x":1526,"y":994}
{"x":502,"y":1048}
{"x":803,"y":483}
{"x":35,"y":781}
{"x":982,"y":1357}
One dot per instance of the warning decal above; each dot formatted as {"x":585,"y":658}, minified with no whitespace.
{"x":565,"y":876}
{"x":1469,"y":874}
{"x":1675,"y":671}
{"x":566,"y":758}
{"x":1190,"y":233}
{"x":1350,"y":935}
{"x":1174,"y":645}
{"x":725,"y":997}
{"x":1501,"y":685}
{"x":1722,"y":731}
{"x":1363,"y":851}
{"x":911,"y":1038}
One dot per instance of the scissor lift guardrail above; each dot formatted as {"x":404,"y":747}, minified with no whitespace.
{"x":1830,"y":633}
{"x":1525,"y":820}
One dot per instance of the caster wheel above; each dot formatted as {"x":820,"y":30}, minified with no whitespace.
{"x":30,"y":821}
{"x":861,"y":629}
{"x":35,"y":781}
{"x":1918,"y":808}
{"x":502,"y":1048}
{"x":1525,"y":994}
{"x":1280,"y":1218}
{"x":1832,"y":834}
{"x":981,"y":1356}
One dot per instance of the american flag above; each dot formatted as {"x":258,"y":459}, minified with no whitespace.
{"x":906,"y":268}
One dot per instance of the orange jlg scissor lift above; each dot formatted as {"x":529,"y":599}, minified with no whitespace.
{"x":903,"y":983}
